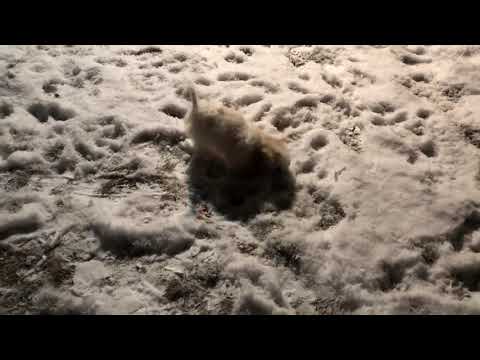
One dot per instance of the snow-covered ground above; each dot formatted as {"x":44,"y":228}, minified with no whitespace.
{"x":102,"y":210}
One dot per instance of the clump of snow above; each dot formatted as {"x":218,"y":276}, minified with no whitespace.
{"x":50,"y":301}
{"x":253,"y":302}
{"x":156,"y":238}
{"x":29,"y":219}
{"x":463,"y":268}
{"x":90,"y":273}
{"x":158,"y":133}
{"x":24,"y":160}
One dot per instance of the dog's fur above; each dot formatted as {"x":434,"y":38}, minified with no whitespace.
{"x":224,"y":134}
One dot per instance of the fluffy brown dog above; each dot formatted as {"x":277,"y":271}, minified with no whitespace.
{"x":224,"y":134}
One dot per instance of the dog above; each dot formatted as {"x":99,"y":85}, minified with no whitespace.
{"x":224,"y":134}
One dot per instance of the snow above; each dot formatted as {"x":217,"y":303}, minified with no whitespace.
{"x":119,"y":236}
{"x":98,"y":176}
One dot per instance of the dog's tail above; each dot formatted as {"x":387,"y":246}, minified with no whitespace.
{"x":193,"y":98}
{"x":193,"y":110}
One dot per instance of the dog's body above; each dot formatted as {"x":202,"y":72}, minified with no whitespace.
{"x":224,"y":134}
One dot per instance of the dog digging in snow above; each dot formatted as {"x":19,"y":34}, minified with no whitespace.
{"x":221,"y":133}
